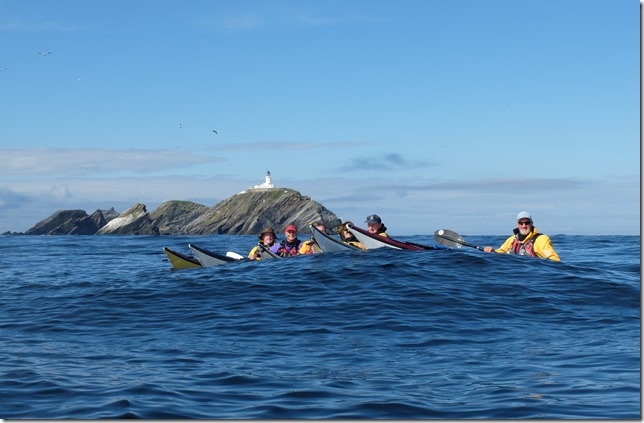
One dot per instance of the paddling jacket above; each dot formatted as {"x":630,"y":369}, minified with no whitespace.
{"x":533,"y":245}
{"x":285,"y":248}
{"x":256,"y":253}
{"x":353,"y":241}
{"x":309,"y":247}
{"x":383,"y":231}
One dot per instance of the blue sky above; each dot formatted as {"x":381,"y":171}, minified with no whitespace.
{"x":432,"y":114}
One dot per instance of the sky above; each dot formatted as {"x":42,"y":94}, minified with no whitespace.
{"x":432,"y":114}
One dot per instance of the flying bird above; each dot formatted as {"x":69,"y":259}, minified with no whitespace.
{"x":214,"y":131}
{"x":44,"y":53}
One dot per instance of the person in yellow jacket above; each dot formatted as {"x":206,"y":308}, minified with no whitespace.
{"x":311,"y":246}
{"x":348,"y":238}
{"x":266,"y":238}
{"x":527,"y":241}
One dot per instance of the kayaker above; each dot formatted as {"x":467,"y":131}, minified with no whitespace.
{"x":347,"y":237}
{"x":291,"y":245}
{"x":267,"y":239}
{"x":527,"y":241}
{"x":375,"y":225}
{"x":310,"y":246}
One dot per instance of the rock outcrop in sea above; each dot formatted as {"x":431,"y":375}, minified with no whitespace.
{"x":133,"y":221}
{"x":245,"y":213}
{"x":73,"y":222}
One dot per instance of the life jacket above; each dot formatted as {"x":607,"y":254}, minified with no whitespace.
{"x":289,"y":248}
{"x":523,"y":248}
{"x":256,"y":254}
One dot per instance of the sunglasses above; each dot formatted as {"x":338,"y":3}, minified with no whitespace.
{"x":525,"y":222}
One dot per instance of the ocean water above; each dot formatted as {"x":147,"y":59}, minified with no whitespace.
{"x":99,"y":327}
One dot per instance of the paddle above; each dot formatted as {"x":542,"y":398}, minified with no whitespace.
{"x":451,"y":239}
{"x":424,"y":247}
{"x":269,"y":253}
{"x":234,"y":255}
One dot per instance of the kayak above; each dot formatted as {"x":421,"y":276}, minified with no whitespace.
{"x":327,"y":243}
{"x":374,"y":241}
{"x":209,"y":258}
{"x":180,"y":260}
{"x":267,"y":253}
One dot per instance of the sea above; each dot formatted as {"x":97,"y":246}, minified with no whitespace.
{"x":100,"y":327}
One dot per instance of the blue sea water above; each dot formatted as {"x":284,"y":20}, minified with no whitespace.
{"x":100,"y":327}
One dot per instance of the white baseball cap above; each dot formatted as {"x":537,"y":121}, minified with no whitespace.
{"x":524,"y":215}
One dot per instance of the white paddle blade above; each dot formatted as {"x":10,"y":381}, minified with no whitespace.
{"x":234,"y":255}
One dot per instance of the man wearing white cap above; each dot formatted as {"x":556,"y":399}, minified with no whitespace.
{"x":527,"y":241}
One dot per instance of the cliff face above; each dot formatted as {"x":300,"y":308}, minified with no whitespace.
{"x":69,"y":222}
{"x":173,"y":217}
{"x":133,"y":221}
{"x":242,"y":214}
{"x":247,"y":213}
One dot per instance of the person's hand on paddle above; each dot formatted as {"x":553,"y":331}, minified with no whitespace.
{"x":488,"y":249}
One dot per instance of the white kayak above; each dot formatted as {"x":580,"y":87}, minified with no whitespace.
{"x":374,"y":241}
{"x":327,"y":243}
{"x":209,"y":258}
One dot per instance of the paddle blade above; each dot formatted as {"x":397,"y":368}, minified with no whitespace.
{"x":234,"y":255}
{"x":448,"y":238}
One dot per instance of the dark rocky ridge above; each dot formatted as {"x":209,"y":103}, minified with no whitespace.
{"x":73,"y":222}
{"x":245,"y":213}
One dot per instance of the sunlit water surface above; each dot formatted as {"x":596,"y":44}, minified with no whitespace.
{"x":100,"y":327}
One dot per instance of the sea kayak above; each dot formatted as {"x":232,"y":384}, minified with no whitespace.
{"x":375,"y":241}
{"x":180,"y":260}
{"x":329,"y":244}
{"x":209,"y":258}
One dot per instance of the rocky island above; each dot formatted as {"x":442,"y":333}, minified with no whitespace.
{"x":245,"y":213}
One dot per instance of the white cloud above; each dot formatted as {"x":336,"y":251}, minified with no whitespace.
{"x":271,"y":15}
{"x":94,"y":161}
{"x":409,"y":206}
{"x":290,"y":146}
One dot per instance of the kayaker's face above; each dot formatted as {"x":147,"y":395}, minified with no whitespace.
{"x":268,"y":239}
{"x":346,"y":234}
{"x":525,"y":226}
{"x":290,"y":235}
{"x":373,"y":227}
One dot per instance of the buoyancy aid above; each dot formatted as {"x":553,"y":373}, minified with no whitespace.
{"x":541,"y":245}
{"x":289,"y":248}
{"x":523,"y":247}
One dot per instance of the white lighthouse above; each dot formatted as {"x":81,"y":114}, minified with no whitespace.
{"x":267,"y":182}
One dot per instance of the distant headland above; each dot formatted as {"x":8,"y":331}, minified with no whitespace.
{"x":245,"y":213}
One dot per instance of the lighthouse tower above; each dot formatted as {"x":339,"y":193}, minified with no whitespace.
{"x":267,"y":182}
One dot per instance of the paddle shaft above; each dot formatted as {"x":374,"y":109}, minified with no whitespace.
{"x":462,"y":242}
